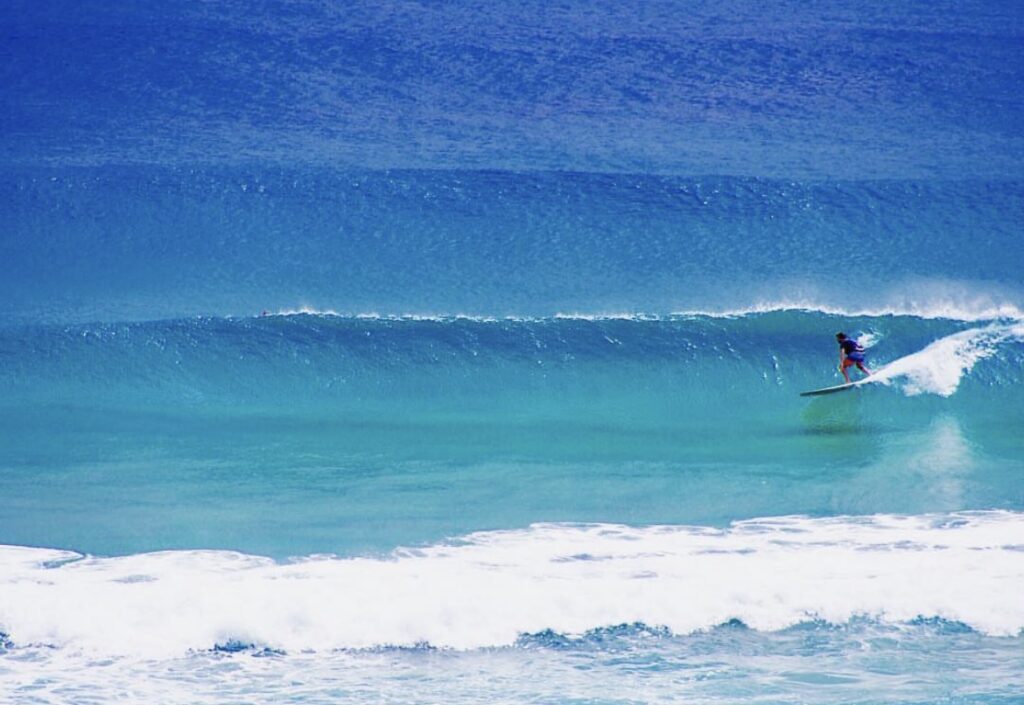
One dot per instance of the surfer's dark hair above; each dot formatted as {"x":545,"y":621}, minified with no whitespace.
{"x":841,"y":336}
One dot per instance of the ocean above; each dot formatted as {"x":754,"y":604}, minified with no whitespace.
{"x":452,"y":353}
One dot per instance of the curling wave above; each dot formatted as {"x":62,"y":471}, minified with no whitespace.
{"x":297,"y":358}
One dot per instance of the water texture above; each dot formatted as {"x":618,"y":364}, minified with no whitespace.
{"x":420,"y":353}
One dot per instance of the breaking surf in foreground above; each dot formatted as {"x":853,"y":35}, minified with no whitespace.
{"x":489,"y":589}
{"x":862,"y":609}
{"x":880,"y":601}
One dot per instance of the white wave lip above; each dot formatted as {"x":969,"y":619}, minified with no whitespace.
{"x":491,"y":587}
{"x":947,"y":311}
{"x":922,"y":297}
{"x":939,"y":367}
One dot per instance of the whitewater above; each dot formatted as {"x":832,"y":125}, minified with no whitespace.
{"x":489,"y":588}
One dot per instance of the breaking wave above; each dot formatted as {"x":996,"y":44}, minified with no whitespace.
{"x":488,"y":588}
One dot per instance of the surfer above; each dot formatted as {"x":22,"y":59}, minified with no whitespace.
{"x":850,"y":353}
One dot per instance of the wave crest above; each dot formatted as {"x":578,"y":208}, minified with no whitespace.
{"x":939,"y":367}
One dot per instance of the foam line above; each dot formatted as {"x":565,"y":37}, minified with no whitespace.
{"x":939,"y":312}
{"x":488,"y":588}
{"x":942,"y":311}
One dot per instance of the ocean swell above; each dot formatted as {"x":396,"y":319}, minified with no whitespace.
{"x":319,"y":361}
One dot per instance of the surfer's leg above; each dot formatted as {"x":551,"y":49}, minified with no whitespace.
{"x":842,"y":368}
{"x":863,"y":368}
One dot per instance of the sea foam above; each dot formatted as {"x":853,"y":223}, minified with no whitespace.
{"x":488,"y":588}
{"x":939,"y":367}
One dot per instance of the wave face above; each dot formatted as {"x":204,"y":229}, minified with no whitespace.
{"x":296,"y":361}
{"x":150,"y":242}
{"x":293,"y":434}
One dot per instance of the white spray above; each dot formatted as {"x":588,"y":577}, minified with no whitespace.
{"x":938,"y":368}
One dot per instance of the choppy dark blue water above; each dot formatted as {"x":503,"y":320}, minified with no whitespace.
{"x":452,"y":353}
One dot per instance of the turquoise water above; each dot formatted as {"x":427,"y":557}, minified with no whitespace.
{"x":378,"y":433}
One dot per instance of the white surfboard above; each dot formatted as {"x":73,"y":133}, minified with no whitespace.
{"x":830,"y":390}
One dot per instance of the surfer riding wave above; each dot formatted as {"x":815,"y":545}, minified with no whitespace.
{"x":850,"y":353}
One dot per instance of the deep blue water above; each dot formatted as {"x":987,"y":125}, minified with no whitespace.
{"x":776,"y":89}
{"x":119,"y":243}
{"x":420,"y":352}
